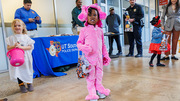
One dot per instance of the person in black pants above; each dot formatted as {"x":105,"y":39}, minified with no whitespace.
{"x":136,"y":13}
{"x":113,"y":21}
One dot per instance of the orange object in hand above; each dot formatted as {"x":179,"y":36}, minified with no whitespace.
{"x":127,"y":16}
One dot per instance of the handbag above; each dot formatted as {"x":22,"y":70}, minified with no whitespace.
{"x":128,"y":25}
{"x":164,"y":43}
{"x":82,"y":69}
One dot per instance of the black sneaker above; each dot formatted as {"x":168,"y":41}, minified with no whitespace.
{"x":175,"y":58}
{"x":165,"y":58}
{"x":119,"y":53}
{"x":159,"y":64}
{"x":128,"y":55}
{"x":138,"y":55}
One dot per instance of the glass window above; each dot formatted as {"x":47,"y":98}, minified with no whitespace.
{"x":103,"y":21}
{"x":126,"y":4}
{"x":152,"y":5}
{"x":103,"y":1}
{"x":115,"y":4}
{"x":140,"y":2}
{"x":146,"y":16}
{"x":146,"y":3}
{"x":3,"y":63}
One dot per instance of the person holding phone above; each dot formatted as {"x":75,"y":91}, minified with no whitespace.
{"x":29,"y":17}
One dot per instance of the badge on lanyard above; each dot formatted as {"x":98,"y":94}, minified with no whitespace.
{"x":32,"y":12}
{"x":134,"y":10}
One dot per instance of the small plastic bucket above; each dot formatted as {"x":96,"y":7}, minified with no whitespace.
{"x":16,"y":57}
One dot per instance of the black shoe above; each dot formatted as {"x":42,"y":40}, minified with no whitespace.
{"x":159,"y":64}
{"x":138,"y":55}
{"x":175,"y":58}
{"x":165,"y":58}
{"x":128,"y":55}
{"x":110,"y":54}
{"x":119,"y":53}
{"x":150,"y":64}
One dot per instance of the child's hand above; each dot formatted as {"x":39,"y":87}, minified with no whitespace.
{"x":131,"y":20}
{"x":126,"y":19}
{"x":106,"y":61}
{"x":19,"y":46}
{"x":162,"y":27}
{"x":16,"y":44}
{"x":31,"y":20}
{"x":37,"y":18}
{"x":164,"y":32}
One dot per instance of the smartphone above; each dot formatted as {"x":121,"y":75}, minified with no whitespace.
{"x":35,"y":17}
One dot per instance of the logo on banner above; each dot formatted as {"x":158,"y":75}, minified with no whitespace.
{"x":55,"y":48}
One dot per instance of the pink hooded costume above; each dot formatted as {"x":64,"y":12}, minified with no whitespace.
{"x":91,"y":43}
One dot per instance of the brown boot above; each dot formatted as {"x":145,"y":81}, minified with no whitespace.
{"x":30,"y":87}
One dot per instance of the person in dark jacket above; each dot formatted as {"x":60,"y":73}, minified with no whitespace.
{"x":136,"y":13}
{"x":75,"y":21}
{"x":113,"y":21}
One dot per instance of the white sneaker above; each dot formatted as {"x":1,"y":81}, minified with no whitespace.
{"x":94,"y":100}
{"x":101,"y":96}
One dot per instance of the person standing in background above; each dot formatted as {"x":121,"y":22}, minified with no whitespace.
{"x":75,"y":21}
{"x":136,"y":13}
{"x":172,"y":26}
{"x":23,"y":74}
{"x":113,"y":21}
{"x":29,"y":17}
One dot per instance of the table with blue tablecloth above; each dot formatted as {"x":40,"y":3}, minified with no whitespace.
{"x":51,"y":52}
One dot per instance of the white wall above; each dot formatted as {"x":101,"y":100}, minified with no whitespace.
{"x":43,"y":7}
{"x":64,"y":8}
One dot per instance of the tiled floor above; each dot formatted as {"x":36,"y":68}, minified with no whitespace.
{"x":128,"y":78}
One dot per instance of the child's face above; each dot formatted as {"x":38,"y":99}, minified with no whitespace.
{"x":93,"y":17}
{"x":18,"y":28}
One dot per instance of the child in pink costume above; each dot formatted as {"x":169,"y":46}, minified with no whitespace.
{"x":91,"y":43}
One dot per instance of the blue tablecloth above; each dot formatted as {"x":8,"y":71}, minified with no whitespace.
{"x":51,"y":52}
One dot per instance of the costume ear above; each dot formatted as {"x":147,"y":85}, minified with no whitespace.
{"x":83,"y":15}
{"x":99,"y":23}
{"x":102,"y":15}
